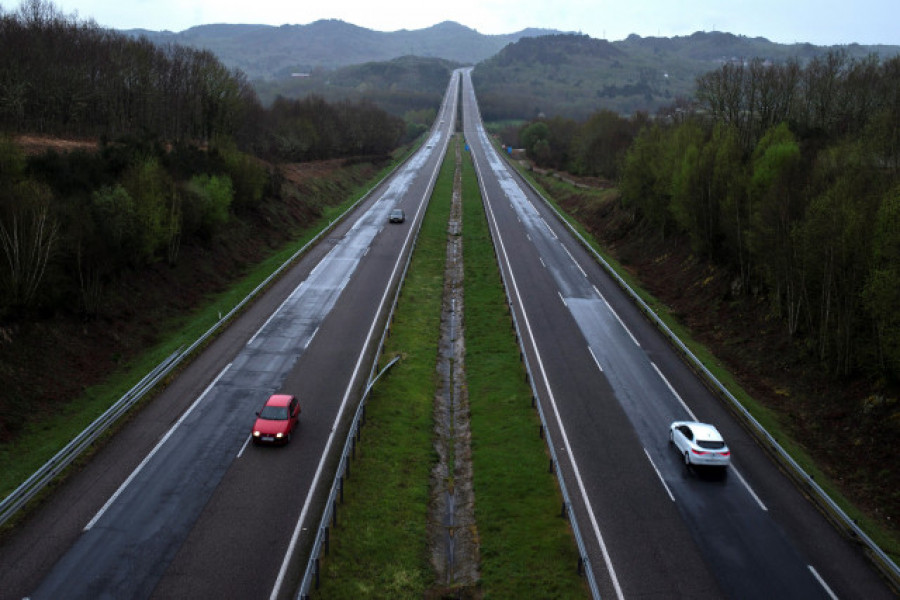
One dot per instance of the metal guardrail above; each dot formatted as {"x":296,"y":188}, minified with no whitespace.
{"x":321,"y":542}
{"x":31,"y":487}
{"x":584,"y":565}
{"x":883,"y":561}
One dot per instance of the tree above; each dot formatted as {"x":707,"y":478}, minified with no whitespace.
{"x":777,"y":206}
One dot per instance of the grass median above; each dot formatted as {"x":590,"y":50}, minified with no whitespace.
{"x":379,"y":548}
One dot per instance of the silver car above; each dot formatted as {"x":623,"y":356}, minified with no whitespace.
{"x":699,"y":444}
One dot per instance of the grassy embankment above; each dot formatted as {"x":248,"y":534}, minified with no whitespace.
{"x":43,"y":438}
{"x":379,"y":547}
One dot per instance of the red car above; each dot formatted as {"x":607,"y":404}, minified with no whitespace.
{"x":277,"y":420}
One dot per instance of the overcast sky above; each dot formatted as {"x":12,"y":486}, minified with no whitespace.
{"x":821,"y":22}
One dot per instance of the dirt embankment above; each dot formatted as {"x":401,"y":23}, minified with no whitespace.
{"x":850,"y":426}
{"x":47,"y":359}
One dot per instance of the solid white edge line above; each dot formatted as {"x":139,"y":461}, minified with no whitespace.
{"x":153,"y":452}
{"x":552,"y":399}
{"x":295,"y":536}
{"x":543,"y":264}
{"x":658,"y":474}
{"x":594,"y":356}
{"x":821,"y":581}
{"x":672,"y":389}
{"x":563,"y":299}
{"x":749,"y":489}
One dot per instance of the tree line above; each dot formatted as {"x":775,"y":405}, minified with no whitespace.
{"x":787,"y":174}
{"x":790,"y":176}
{"x":179,"y":139}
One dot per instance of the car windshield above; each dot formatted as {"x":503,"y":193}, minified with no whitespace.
{"x":397,"y":213}
{"x":274,"y":413}
{"x":711,"y":445}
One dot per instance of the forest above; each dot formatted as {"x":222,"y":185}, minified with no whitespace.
{"x":181,"y":144}
{"x":787,"y":175}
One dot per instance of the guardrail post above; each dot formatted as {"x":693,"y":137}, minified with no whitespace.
{"x":562,"y":513}
{"x":541,"y":430}
{"x":342,"y":489}
{"x":550,"y":468}
{"x":317,"y":573}
{"x":580,"y":565}
{"x":326,"y":544}
{"x":334,"y":513}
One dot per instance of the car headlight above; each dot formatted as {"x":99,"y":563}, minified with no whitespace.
{"x":278,"y":435}
{"x":255,"y":434}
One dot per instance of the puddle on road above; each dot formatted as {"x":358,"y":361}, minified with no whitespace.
{"x":453,"y":536}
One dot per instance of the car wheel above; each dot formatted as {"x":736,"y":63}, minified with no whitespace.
{"x":671,"y":437}
{"x":687,"y":459}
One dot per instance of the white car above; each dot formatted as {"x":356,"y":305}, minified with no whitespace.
{"x":699,"y":444}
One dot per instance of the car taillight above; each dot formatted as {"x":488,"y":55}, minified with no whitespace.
{"x":700,"y":452}
{"x":724,"y":453}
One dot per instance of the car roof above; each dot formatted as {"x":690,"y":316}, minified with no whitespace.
{"x":702,"y":431}
{"x":279,"y":400}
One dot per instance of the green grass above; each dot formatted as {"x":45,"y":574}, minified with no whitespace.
{"x":379,"y":548}
{"x":42,"y":439}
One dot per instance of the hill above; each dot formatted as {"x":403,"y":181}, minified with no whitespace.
{"x":574,"y":75}
{"x":266,"y":52}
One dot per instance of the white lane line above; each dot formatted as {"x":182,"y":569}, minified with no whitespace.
{"x":550,"y":229}
{"x":298,"y":528}
{"x":672,"y":389}
{"x":594,"y":356}
{"x":749,"y":489}
{"x":563,"y":299}
{"x":542,"y":262}
{"x":658,"y":474}
{"x":615,"y":314}
{"x":153,"y":452}
{"x":278,"y":310}
{"x":576,"y":472}
{"x":244,"y":447}
{"x":574,"y":261}
{"x":821,"y":581}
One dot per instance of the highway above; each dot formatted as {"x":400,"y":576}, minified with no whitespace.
{"x":611,"y":385}
{"x":179,"y":504}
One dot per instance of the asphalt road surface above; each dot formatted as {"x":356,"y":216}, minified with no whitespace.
{"x":611,"y":385}
{"x":179,"y":504}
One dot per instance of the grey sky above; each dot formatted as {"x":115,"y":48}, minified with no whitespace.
{"x":821,"y":22}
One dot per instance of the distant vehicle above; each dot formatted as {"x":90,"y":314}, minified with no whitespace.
{"x":699,"y":444}
{"x":397,"y":216}
{"x":276,"y":422}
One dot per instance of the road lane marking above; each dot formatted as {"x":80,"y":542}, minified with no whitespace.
{"x":298,"y":528}
{"x":561,"y":298}
{"x":749,"y":489}
{"x":822,"y":583}
{"x":153,"y":452}
{"x":658,"y":474}
{"x":616,"y":315}
{"x":573,"y":260}
{"x":672,"y":389}
{"x":244,"y":447}
{"x":594,"y":356}
{"x":577,"y":473}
